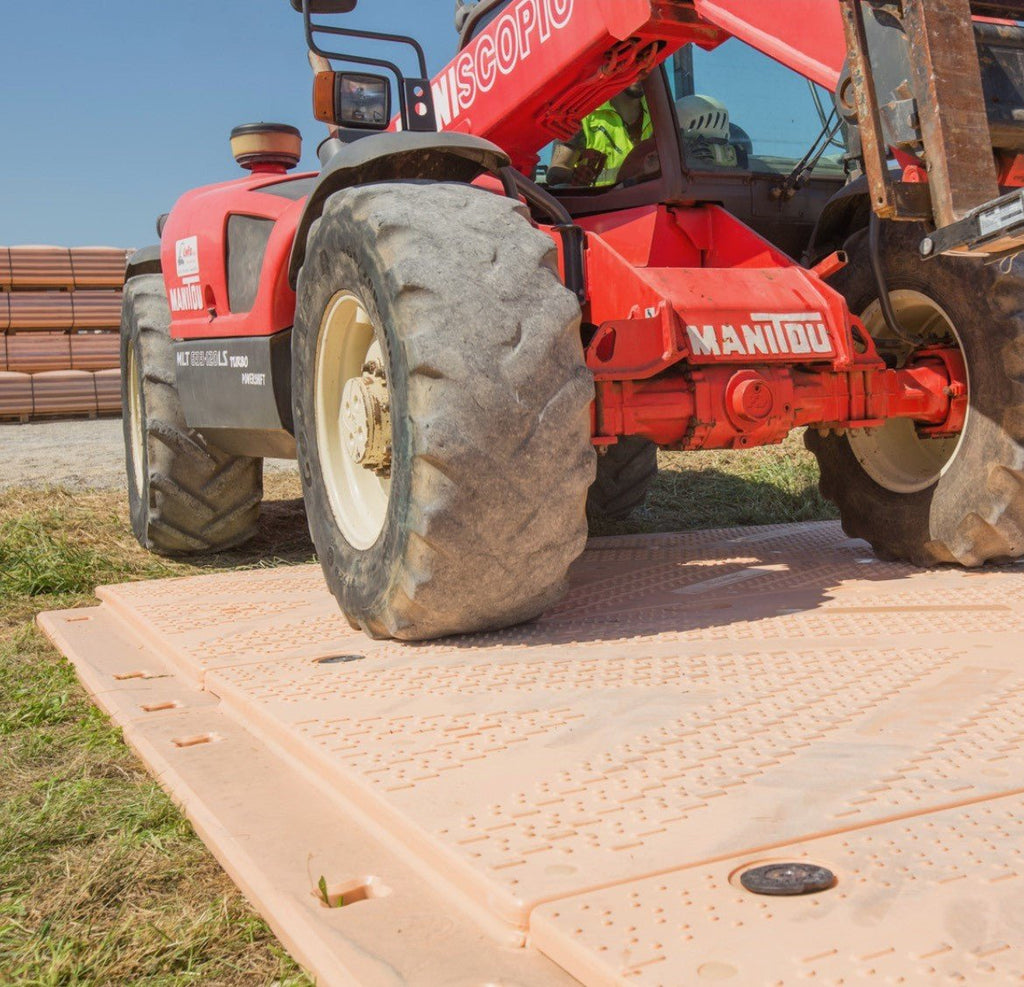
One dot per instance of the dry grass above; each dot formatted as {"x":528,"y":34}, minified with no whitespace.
{"x":102,"y":881}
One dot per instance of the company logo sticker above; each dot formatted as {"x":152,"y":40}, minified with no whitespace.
{"x":186,"y":256}
{"x":188,"y":298}
{"x":767,"y":334}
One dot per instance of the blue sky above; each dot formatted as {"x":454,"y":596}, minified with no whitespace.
{"x":112,"y":108}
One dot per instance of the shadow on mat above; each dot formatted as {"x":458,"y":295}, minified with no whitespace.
{"x":630,"y":586}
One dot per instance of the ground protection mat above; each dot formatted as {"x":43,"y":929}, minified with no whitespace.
{"x":577,"y":800}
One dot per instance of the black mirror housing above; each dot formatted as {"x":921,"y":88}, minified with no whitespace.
{"x":326,"y":6}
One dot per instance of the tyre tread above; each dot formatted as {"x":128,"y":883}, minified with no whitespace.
{"x":971,"y":515}
{"x":198,"y":498}
{"x":624,"y":476}
{"x":488,"y":342}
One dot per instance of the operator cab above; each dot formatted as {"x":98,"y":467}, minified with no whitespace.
{"x":730,"y":126}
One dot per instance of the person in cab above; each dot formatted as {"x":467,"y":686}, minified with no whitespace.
{"x":605,"y":139}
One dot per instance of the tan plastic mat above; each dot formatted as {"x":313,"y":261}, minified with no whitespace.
{"x":590,"y":786}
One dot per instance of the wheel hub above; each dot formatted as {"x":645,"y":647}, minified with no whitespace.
{"x":900,"y":456}
{"x":366,"y":420}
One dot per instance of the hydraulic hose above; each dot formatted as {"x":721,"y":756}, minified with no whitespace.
{"x":875,"y":253}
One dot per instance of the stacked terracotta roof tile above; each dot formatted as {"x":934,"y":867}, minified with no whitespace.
{"x":60,"y":309}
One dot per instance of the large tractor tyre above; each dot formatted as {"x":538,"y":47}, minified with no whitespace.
{"x":927,"y":500}
{"x":624,"y":475}
{"x":186,"y":496}
{"x":442,"y":410}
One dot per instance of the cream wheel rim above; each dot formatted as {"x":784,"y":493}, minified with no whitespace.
{"x":358,"y":494}
{"x":894,"y":455}
{"x":136,"y":428}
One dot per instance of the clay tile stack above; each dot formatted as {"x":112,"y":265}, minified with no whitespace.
{"x":60,"y":309}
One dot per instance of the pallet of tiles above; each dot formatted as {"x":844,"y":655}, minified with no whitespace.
{"x":60,"y":311}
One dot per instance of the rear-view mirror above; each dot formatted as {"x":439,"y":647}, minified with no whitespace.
{"x":326,"y":6}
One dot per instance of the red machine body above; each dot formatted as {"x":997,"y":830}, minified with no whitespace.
{"x":753,"y":346}
{"x":704,"y":334}
{"x":194,"y":253}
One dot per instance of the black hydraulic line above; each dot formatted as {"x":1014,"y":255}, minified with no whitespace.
{"x":802,"y":172}
{"x":875,"y":254}
{"x":573,"y":239}
{"x":573,"y":245}
{"x":818,"y":105}
{"x":823,"y":116}
{"x":508,"y":183}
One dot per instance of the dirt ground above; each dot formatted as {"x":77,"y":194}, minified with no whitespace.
{"x":76,"y":455}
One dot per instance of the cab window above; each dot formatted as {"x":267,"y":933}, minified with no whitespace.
{"x":740,"y":110}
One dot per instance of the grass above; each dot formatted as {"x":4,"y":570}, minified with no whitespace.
{"x":772,"y":485}
{"x":102,"y":880}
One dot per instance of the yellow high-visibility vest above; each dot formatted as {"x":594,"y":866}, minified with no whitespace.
{"x":605,"y":131}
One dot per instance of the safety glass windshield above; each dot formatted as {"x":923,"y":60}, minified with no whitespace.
{"x":739,"y":110}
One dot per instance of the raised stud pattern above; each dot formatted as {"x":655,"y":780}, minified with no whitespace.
{"x":698,"y":704}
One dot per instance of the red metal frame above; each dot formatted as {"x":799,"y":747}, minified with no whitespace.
{"x":687,"y":360}
{"x":563,"y":58}
{"x":723,"y":408}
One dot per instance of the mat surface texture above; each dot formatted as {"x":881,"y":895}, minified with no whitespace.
{"x":575,"y":800}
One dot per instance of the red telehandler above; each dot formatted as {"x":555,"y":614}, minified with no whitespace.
{"x":466,"y":359}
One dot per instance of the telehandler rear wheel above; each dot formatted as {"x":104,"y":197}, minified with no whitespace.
{"x":441,"y":407}
{"x":186,"y":496}
{"x":624,"y":475}
{"x":929,"y":500}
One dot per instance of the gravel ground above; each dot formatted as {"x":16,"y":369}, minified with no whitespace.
{"x":76,"y":455}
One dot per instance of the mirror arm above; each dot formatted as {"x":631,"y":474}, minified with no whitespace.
{"x":347,"y":32}
{"x":366,"y":35}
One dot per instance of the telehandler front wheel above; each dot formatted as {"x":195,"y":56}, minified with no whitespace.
{"x":932,"y":500}
{"x":441,"y":407}
{"x":186,"y":496}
